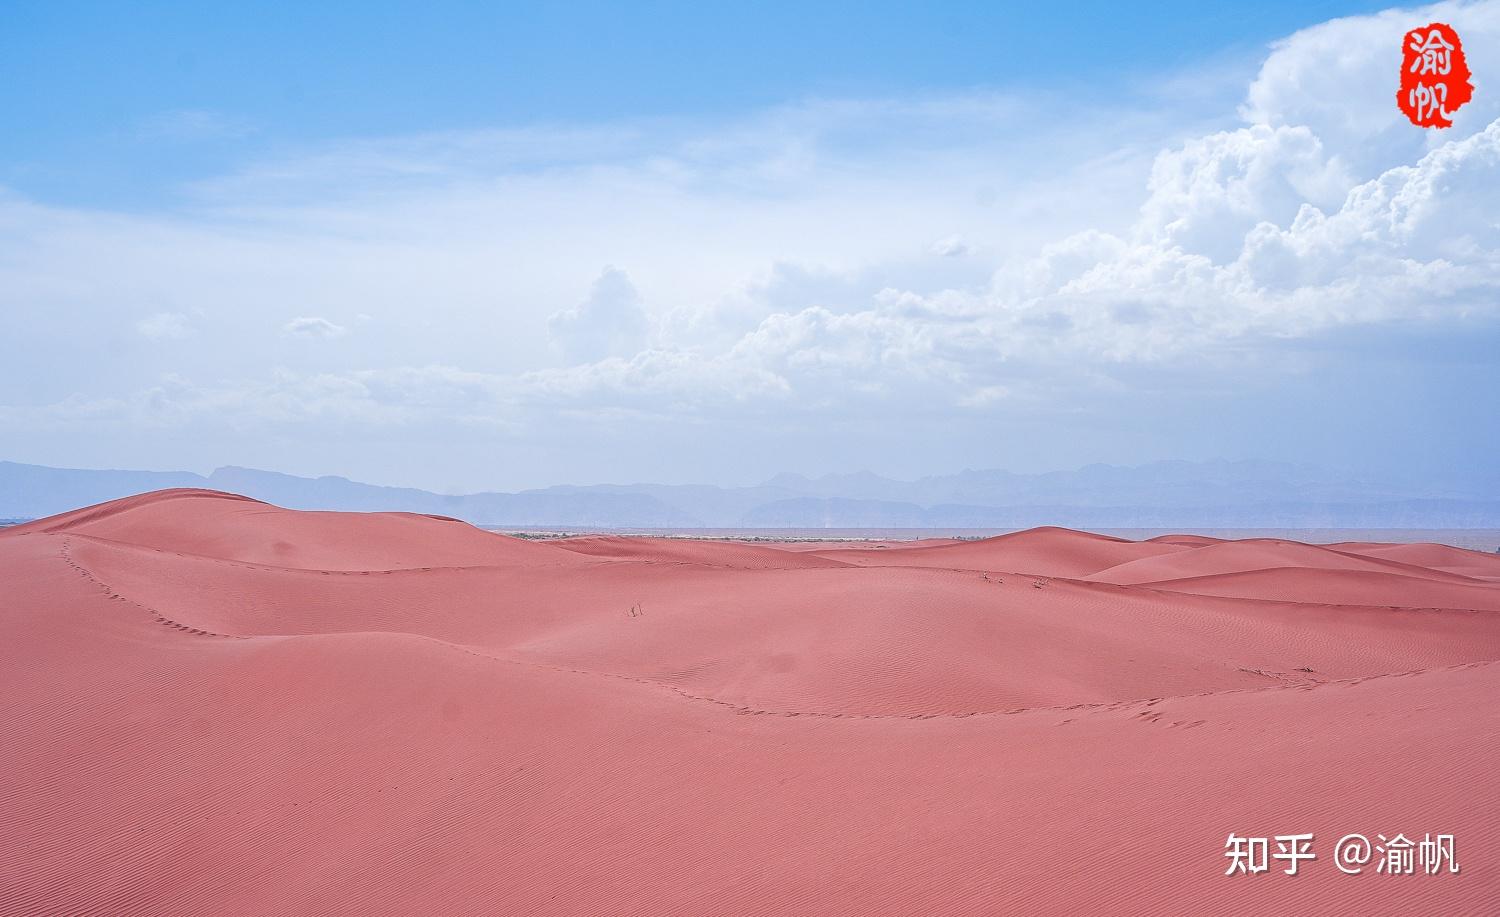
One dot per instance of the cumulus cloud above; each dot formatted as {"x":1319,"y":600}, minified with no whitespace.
{"x":950,"y":247}
{"x":1338,"y":81}
{"x":312,"y":326}
{"x":1231,"y":250}
{"x":610,"y":321}
{"x":1205,"y":195}
{"x":1245,"y":236}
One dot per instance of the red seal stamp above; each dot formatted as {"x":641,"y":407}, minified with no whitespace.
{"x":1434,"y":75}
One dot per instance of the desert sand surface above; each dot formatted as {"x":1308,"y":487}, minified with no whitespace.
{"x":215,"y":706}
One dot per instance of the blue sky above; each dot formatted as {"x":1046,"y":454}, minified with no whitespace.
{"x":477,"y":246}
{"x":114,"y":104}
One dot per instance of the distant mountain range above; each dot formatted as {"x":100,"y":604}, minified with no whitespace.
{"x":1156,"y":495}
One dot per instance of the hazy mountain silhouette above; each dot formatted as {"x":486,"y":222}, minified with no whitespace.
{"x":1160,"y":494}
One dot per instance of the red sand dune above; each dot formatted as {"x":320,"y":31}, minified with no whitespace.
{"x":1434,"y":556}
{"x":215,"y":706}
{"x":1258,"y":554}
{"x":230,"y":527}
{"x":1044,"y":551}
{"x":741,"y":555}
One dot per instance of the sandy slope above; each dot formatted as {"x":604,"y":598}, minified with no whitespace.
{"x":216,"y":706}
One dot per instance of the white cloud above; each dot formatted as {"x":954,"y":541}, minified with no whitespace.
{"x":610,"y":321}
{"x":1338,"y":80}
{"x":1204,"y":196}
{"x":1228,"y":254}
{"x":950,"y":247}
{"x":313,"y":326}
{"x":364,"y":398}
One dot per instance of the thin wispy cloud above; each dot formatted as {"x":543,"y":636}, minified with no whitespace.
{"x":313,"y":326}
